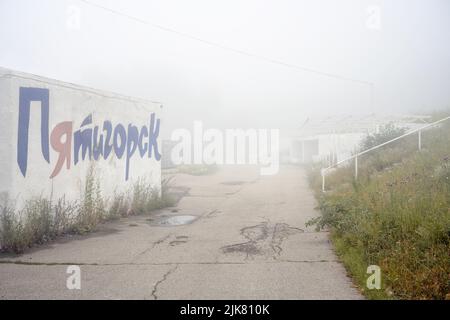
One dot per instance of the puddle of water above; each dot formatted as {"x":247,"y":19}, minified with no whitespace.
{"x":175,"y":220}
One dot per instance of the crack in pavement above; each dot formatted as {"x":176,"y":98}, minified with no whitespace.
{"x":212,"y":214}
{"x":263,"y":239}
{"x":154,"y":244}
{"x":26,"y":263}
{"x":242,"y":186}
{"x":177,"y":242}
{"x":164,"y":278}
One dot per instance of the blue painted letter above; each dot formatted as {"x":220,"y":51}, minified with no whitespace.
{"x":26,"y":95}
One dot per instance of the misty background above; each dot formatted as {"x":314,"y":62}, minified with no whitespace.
{"x":406,"y":55}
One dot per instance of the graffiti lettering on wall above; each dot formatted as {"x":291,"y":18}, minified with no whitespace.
{"x":93,"y":143}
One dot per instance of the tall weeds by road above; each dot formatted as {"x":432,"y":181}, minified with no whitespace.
{"x":396,"y":215}
{"x":41,"y":219}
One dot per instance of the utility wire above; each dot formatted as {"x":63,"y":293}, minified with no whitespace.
{"x":231,"y":49}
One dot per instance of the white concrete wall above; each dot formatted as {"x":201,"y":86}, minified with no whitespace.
{"x":72,"y":104}
{"x":341,"y":145}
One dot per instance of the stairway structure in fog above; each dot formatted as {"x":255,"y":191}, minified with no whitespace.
{"x":334,"y":138}
{"x":355,"y":157}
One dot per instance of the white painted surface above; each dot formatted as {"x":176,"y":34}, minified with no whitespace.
{"x":340,"y":137}
{"x":329,"y":145}
{"x":68,"y":102}
{"x":342,"y":145}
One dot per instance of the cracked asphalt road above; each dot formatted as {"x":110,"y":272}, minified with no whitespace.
{"x":248,"y":241}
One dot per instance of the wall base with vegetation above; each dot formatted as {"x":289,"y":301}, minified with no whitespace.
{"x":71,"y":156}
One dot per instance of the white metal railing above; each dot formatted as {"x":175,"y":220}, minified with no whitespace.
{"x":418,"y":130}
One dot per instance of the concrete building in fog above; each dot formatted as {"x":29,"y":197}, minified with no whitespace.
{"x":334,"y":138}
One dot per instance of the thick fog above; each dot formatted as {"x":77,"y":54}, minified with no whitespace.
{"x":218,"y":61}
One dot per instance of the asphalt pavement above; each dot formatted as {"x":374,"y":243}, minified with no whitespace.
{"x":233,"y":235}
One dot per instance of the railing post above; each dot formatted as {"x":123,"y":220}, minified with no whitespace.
{"x":356,"y":167}
{"x":420,"y":139}
{"x":323,"y":179}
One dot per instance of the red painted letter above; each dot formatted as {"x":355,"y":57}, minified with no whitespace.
{"x":64,"y":148}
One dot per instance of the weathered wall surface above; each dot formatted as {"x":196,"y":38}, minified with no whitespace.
{"x":342,"y":145}
{"x":52,"y":132}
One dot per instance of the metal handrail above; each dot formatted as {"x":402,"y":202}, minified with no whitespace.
{"x":419,"y":130}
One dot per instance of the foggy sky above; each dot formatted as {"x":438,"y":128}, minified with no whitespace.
{"x":407,"y":58}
